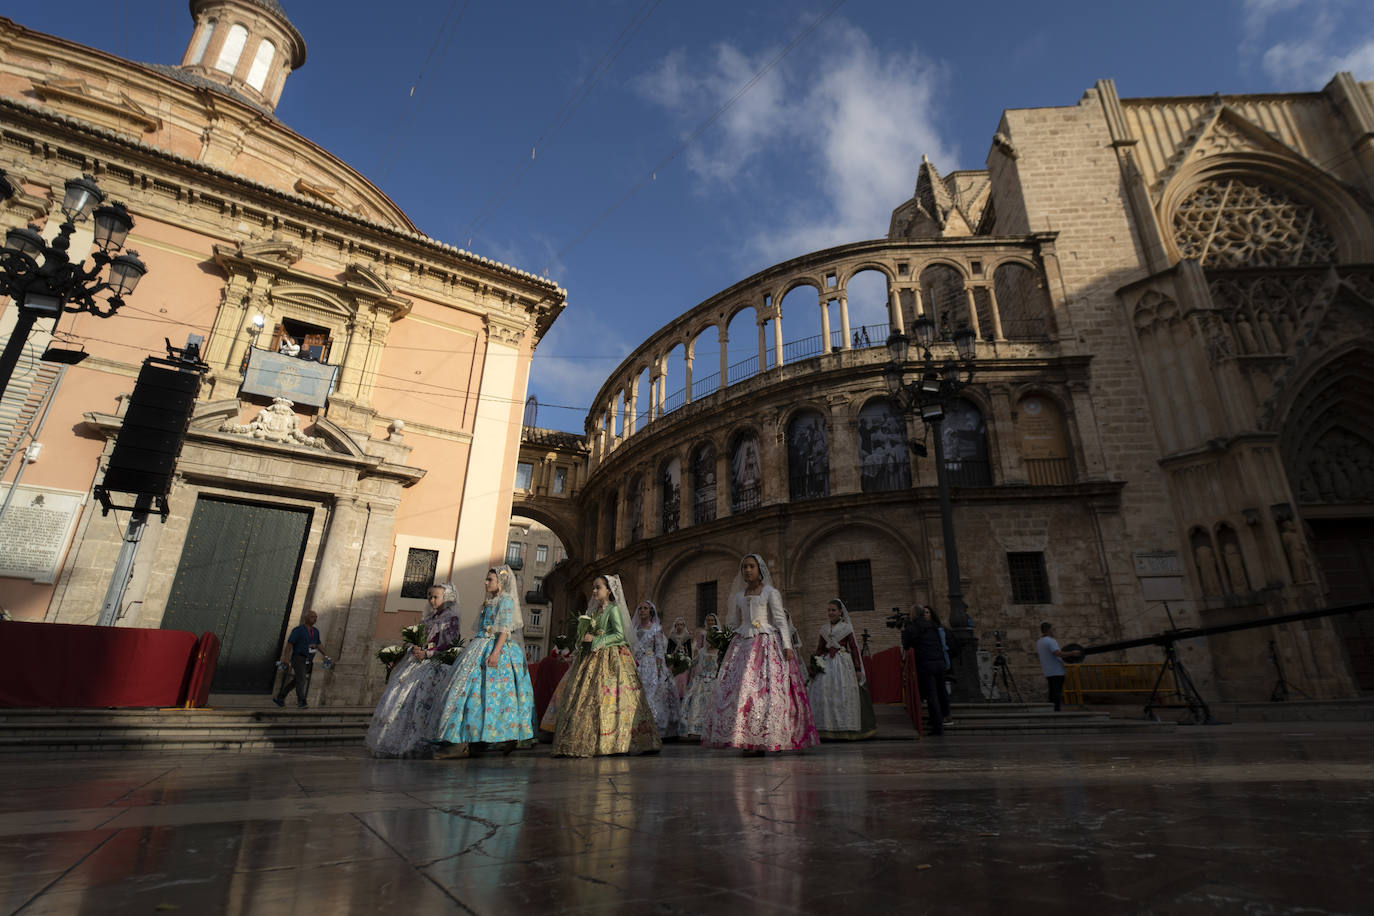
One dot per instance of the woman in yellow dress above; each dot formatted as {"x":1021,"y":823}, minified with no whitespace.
{"x":603,"y":709}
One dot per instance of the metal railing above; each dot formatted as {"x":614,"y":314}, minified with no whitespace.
{"x":809,"y":486}
{"x":704,"y":386}
{"x":966,"y":472}
{"x":746,"y":498}
{"x":704,"y":510}
{"x":1048,"y":472}
{"x":1081,"y":681}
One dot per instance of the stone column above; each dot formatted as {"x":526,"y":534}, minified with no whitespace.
{"x":631,"y":408}
{"x":654,"y":401}
{"x":345,"y":685}
{"x":688,"y":357}
{"x":844,"y":321}
{"x":763,"y":345}
{"x":996,"y":311}
{"x":973,"y":313}
{"x":825,"y":325}
{"x":723,"y":333}
{"x":895,"y":321}
{"x":777,"y":339}
{"x":1004,"y":434}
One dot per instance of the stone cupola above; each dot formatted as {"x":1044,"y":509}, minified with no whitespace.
{"x":248,"y":46}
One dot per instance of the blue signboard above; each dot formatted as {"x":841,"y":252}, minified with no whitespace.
{"x":302,"y":381}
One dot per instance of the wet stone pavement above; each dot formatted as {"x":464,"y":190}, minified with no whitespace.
{"x":1244,"y":819}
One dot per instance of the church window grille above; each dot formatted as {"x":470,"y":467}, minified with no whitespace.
{"x":706,"y":601}
{"x":421,"y":566}
{"x":854,"y":579}
{"x":1030,"y":582}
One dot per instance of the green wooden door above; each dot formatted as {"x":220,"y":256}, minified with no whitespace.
{"x":237,"y":578}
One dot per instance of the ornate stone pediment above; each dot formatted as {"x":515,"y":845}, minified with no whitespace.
{"x":277,"y":423}
{"x":119,"y":114}
{"x":1223,"y":131}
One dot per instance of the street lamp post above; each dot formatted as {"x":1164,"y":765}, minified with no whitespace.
{"x":929,"y":396}
{"x":43,"y":281}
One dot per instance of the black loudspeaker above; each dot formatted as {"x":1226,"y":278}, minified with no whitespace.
{"x":146,"y":450}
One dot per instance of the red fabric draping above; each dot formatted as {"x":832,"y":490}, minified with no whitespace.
{"x":203,"y":670}
{"x":548,"y":672}
{"x":912,"y":689}
{"x":58,"y":664}
{"x":884,"y":672}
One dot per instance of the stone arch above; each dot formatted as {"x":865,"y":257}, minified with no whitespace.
{"x":808,"y":438}
{"x":943,"y":297}
{"x":742,"y":346}
{"x":688,"y":568}
{"x":1325,"y":436}
{"x":965,"y":441}
{"x":668,"y":488}
{"x":795,"y":305}
{"x":1042,"y":439}
{"x":868,"y":304}
{"x":702,"y":462}
{"x":812,"y":575}
{"x":854,"y":270}
{"x":884,"y":456}
{"x":1352,"y":236}
{"x":746,"y":469}
{"x":564,"y":527}
{"x":1023,"y":305}
{"x":674,"y":376}
{"x":705,"y":351}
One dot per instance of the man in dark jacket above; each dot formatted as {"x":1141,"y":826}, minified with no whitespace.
{"x":922,"y":634}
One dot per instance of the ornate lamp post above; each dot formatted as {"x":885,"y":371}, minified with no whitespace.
{"x":42,"y":279}
{"x":929,"y":396}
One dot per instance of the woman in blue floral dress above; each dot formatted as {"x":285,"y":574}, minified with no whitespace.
{"x":489,"y":699}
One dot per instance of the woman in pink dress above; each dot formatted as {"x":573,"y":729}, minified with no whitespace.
{"x":760,"y":701}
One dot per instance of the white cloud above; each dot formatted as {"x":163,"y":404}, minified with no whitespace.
{"x":1300,"y":44}
{"x":857,"y":118}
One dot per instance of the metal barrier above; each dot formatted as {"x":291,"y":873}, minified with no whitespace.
{"x":1081,"y":681}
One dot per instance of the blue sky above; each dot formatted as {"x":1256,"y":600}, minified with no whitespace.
{"x":442,"y":103}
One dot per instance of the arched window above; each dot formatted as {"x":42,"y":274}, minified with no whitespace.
{"x":703,"y":484}
{"x":1234,"y":222}
{"x":746,"y":473}
{"x":670,"y":495}
{"x":202,"y":41}
{"x":808,"y":456}
{"x":231,"y":49}
{"x":1044,"y":442}
{"x":942,"y":295}
{"x":634,"y":505}
{"x":884,"y":463}
{"x":262,"y":63}
{"x":964,"y":436}
{"x":1022,"y":303}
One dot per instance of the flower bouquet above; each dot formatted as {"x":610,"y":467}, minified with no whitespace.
{"x":719,"y":638}
{"x":447,"y":656}
{"x":414,"y":634}
{"x":678,"y":662}
{"x":390,"y":655}
{"x":817,"y":665}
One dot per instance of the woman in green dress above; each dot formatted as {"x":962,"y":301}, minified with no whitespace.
{"x":603,"y":709}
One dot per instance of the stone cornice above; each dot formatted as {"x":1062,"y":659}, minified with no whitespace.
{"x":278,"y":204}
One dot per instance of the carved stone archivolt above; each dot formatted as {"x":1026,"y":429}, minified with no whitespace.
{"x":277,"y":423}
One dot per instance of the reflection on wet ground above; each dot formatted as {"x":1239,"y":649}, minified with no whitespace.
{"x":1263,"y":818}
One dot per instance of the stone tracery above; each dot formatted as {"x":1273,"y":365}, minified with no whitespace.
{"x":1238,"y":223}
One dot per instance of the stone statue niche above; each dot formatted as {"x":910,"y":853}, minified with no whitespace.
{"x":1295,"y":550}
{"x":1205,"y":558}
{"x":1238,"y":581}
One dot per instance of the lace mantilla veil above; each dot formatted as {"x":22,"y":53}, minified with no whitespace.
{"x":737,"y":587}
{"x":510,"y":588}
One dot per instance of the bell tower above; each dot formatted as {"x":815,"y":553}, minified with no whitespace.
{"x":246,"y":45}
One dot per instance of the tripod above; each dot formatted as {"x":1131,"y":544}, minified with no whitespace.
{"x":1001,"y":671}
{"x":1281,"y":686}
{"x":1185,"y":692}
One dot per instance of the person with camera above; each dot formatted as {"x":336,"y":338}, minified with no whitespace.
{"x":922,"y":634}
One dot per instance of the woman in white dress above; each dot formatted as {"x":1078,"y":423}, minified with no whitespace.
{"x":398,"y":727}
{"x":837,"y":692}
{"x":650,"y":646}
{"x":701,"y":683}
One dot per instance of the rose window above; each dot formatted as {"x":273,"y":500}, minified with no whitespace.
{"x":1235,"y":223}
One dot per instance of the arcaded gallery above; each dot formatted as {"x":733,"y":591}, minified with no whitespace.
{"x":1157,"y":313}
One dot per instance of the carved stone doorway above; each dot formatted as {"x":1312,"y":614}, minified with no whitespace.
{"x":1345,"y":550}
{"x":237,"y":577}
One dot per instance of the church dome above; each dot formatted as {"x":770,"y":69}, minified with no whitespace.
{"x":249,"y":47}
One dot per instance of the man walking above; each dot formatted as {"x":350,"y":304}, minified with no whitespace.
{"x":302,"y":644}
{"x":1051,"y":663}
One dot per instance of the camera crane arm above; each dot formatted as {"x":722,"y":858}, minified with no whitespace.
{"x":1074,"y":653}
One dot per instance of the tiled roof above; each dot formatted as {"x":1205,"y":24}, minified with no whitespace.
{"x":204,"y":82}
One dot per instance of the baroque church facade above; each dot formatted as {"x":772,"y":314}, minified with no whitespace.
{"x":365,"y":380}
{"x":1173,"y":304}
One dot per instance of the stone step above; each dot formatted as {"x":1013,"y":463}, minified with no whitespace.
{"x":51,"y":730}
{"x":1009,"y":719}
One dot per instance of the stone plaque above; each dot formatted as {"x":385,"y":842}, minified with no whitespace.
{"x":1161,"y":575}
{"x":34,"y":531}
